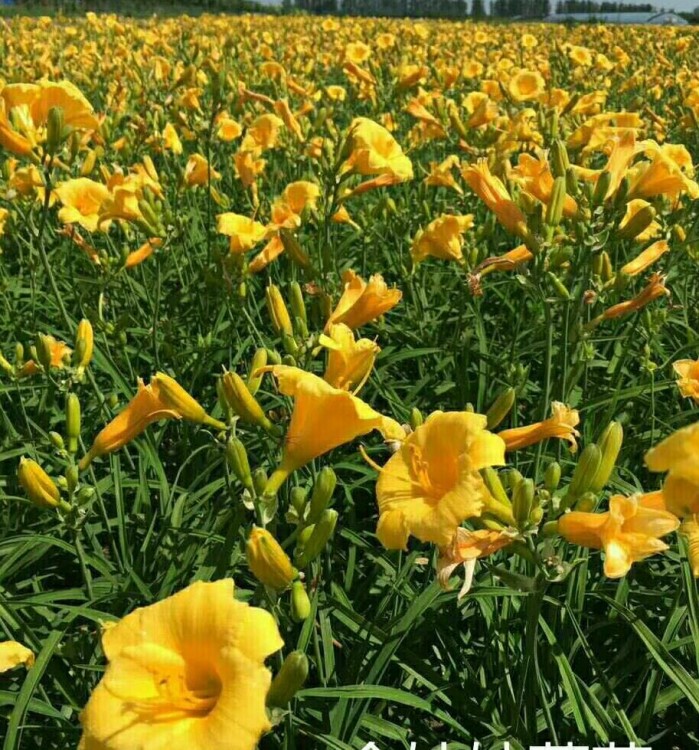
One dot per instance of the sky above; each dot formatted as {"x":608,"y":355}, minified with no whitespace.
{"x":678,"y":5}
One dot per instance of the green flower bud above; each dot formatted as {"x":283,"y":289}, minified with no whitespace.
{"x":322,"y":532}
{"x":298,"y":309}
{"x":610,"y":446}
{"x":55,"y":129}
{"x":554,"y":210}
{"x":289,"y":680}
{"x":72,"y":475}
{"x":259,"y":360}
{"x":584,"y":474}
{"x":298,"y":500}
{"x":56,"y":440}
{"x":560,"y":163}
{"x":552,"y":476}
{"x":500,"y":408}
{"x":300,"y":603}
{"x":237,"y":458}
{"x":600,"y":192}
{"x":259,"y":480}
{"x":322,"y":492}
{"x":294,"y":250}
{"x":416,"y":418}
{"x":72,"y":422}
{"x":523,"y":501}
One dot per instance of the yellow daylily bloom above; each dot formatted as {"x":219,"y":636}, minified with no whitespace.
{"x":374,"y":151}
{"x":653,"y":290}
{"x":362,"y":301}
{"x":646,"y":258}
{"x":197,"y":171}
{"x":431,"y":484}
{"x":262,"y":134}
{"x":527,"y":85}
{"x":171,"y":141}
{"x":187,"y":671}
{"x":442,"y":238}
{"x":82,"y":201}
{"x":349,"y":362}
{"x":441,"y":174}
{"x":688,"y":381}
{"x":632,"y":209}
{"x":628,"y":532}
{"x":493,"y":193}
{"x":678,"y":455}
{"x":244,"y":233}
{"x":323,"y":418}
{"x":60,"y":354}
{"x":561,"y":424}
{"x":13,"y":654}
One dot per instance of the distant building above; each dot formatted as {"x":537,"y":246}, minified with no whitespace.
{"x":658,"y":19}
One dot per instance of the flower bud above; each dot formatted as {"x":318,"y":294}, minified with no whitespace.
{"x":298,"y":500}
{"x":587,"y":502}
{"x":558,"y":285}
{"x":514,"y":477}
{"x":599,"y":194}
{"x":237,"y":458}
{"x":259,"y":480}
{"x":55,"y":127}
{"x":294,"y":250}
{"x":572,"y":182}
{"x":289,"y":680}
{"x":274,"y":357}
{"x":298,"y":309}
{"x":416,"y":418}
{"x":178,"y":400}
{"x":84,"y":343}
{"x":609,"y":445}
{"x":56,"y":440}
{"x":43,"y":351}
{"x":322,"y":492}
{"x":554,"y":210}
{"x":494,"y":485}
{"x":72,"y":422}
{"x":267,"y":560}
{"x":552,"y":476}
{"x":323,"y":530}
{"x":300,"y":603}
{"x":639,"y":222}
{"x":6,"y":366}
{"x":243,"y":403}
{"x":277,"y":311}
{"x":290,"y":345}
{"x":38,"y":485}
{"x":500,"y":408}
{"x":523,"y":501}
{"x":560,"y":162}
{"x":607,"y":273}
{"x":289,"y":360}
{"x":584,"y":474}
{"x":259,"y":360}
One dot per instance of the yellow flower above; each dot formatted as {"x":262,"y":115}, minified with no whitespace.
{"x":493,"y":193}
{"x":244,"y":233}
{"x":268,"y":561}
{"x":136,"y":257}
{"x":82,"y":201}
{"x":357,"y":52}
{"x":535,"y":177}
{"x":323,"y":418}
{"x":661,"y":176}
{"x":262,"y":134}
{"x":227,"y":129}
{"x":646,"y":258}
{"x":561,"y":424}
{"x":431,"y":484}
{"x":349,"y":362}
{"x":507,"y":261}
{"x":171,"y":140}
{"x":362,"y":302}
{"x":4,"y":215}
{"x":654,"y":289}
{"x":678,"y":455}
{"x":248,"y":167}
{"x":38,"y":485}
{"x":632,"y":209}
{"x":60,"y":352}
{"x":442,"y":238}
{"x":13,"y":654}
{"x":374,"y":151}
{"x":628,"y":532}
{"x":526,"y":86}
{"x":186,"y":672}
{"x":144,"y":408}
{"x":441,"y":174}
{"x":197,"y":171}
{"x":688,"y":382}
{"x":465,"y":549}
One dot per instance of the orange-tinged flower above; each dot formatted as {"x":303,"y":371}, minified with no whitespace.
{"x":361,"y":302}
{"x":282,"y":108}
{"x":349,"y":362}
{"x":493,"y":193}
{"x":661,"y":176}
{"x":561,"y":424}
{"x":198,"y":171}
{"x":227,"y":129}
{"x":678,"y":455}
{"x":628,"y":532}
{"x":441,"y":174}
{"x":82,"y":201}
{"x":442,"y":238}
{"x":465,"y":549}
{"x":323,"y":418}
{"x":688,"y":381}
{"x":654,"y":289}
{"x":431,"y":484}
{"x":633,"y":207}
{"x":535,"y":177}
{"x":357,"y":52}
{"x":646,"y":258}
{"x":60,"y":354}
{"x":13,"y":654}
{"x":506,"y":262}
{"x":244,"y":233}
{"x":271,"y":251}
{"x":136,"y":257}
{"x":248,"y":167}
{"x":187,"y":671}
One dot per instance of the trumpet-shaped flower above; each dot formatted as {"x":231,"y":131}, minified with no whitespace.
{"x":374,"y":151}
{"x":361,"y":301}
{"x":349,"y":362}
{"x":442,"y":238}
{"x":432,"y":483}
{"x":561,"y":424}
{"x":628,"y":532}
{"x":82,"y":201}
{"x":187,"y":671}
{"x":13,"y":654}
{"x":678,"y":455}
{"x":244,"y":233}
{"x":493,"y":193}
{"x":688,"y":381}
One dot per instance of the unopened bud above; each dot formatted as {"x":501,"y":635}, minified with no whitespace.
{"x":267,"y":560}
{"x":72,"y":475}
{"x":607,"y":269}
{"x":554,"y":210}
{"x":322,"y":492}
{"x":300,"y":603}
{"x":290,"y":345}
{"x":72,"y":422}
{"x":599,"y":194}
{"x":84,"y":343}
{"x":416,"y":418}
{"x":294,"y":250}
{"x":500,"y":408}
{"x":560,"y":162}
{"x":323,"y":530}
{"x":522,"y":501}
{"x":178,"y":400}
{"x":259,"y":480}
{"x":259,"y":360}
{"x":242,"y":402}
{"x":587,"y":502}
{"x":298,"y":500}
{"x":559,"y":287}
{"x":277,"y":311}
{"x":572,"y":182}
{"x":552,"y":476}
{"x":38,"y":485}
{"x":298,"y":309}
{"x":494,"y":485}
{"x":43,"y":351}
{"x":55,"y":126}
{"x":289,"y":680}
{"x":609,"y":445}
{"x":237,"y":458}
{"x":584,"y":473}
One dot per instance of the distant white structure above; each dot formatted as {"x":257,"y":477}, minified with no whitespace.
{"x":658,"y":19}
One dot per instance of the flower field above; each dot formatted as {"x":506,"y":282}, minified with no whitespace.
{"x":349,"y":375}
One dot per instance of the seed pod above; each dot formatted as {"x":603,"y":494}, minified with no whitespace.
{"x":267,"y":560}
{"x":322,"y":492}
{"x":72,"y":422}
{"x":277,"y":310}
{"x":322,"y":532}
{"x":552,"y":476}
{"x":523,"y":501}
{"x":38,"y":485}
{"x":300,"y":603}
{"x":289,"y":680}
{"x":554,"y":210}
{"x":237,"y":458}
{"x":259,"y":360}
{"x":500,"y":408}
{"x":584,"y":474}
{"x":609,"y":444}
{"x":560,"y":163}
